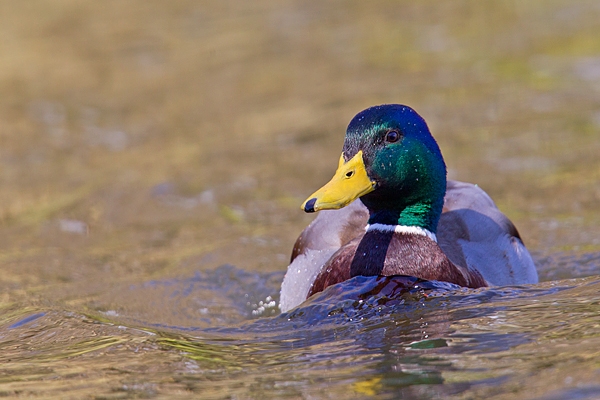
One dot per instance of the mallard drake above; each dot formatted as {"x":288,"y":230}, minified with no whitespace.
{"x":389,"y":210}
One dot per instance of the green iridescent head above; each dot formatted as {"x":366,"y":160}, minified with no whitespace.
{"x":391,"y":161}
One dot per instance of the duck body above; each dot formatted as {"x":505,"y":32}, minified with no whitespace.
{"x":407,"y":221}
{"x":393,"y":252}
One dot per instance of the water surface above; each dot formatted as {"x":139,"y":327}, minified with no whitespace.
{"x":153,"y":157}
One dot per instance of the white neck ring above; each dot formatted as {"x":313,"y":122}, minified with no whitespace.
{"x":402,"y":229}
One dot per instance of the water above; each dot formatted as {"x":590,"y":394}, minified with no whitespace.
{"x":154,"y":156}
{"x":364,"y":338}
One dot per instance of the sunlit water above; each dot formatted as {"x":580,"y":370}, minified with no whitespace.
{"x":365,"y":337}
{"x":154,"y":155}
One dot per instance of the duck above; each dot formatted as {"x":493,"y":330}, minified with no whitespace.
{"x":389,"y":210}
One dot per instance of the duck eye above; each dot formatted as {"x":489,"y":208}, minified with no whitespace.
{"x":392,"y":136}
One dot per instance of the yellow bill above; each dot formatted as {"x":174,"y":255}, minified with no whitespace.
{"x":349,"y":183}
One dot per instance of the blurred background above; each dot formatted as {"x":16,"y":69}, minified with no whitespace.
{"x":149,"y":140}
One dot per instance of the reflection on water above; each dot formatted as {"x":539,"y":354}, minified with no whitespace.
{"x":153,"y":157}
{"x":363,"y":337}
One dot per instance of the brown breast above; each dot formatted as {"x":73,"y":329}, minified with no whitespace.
{"x":389,"y":253}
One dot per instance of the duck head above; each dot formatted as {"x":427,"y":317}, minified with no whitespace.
{"x":391,"y":161}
